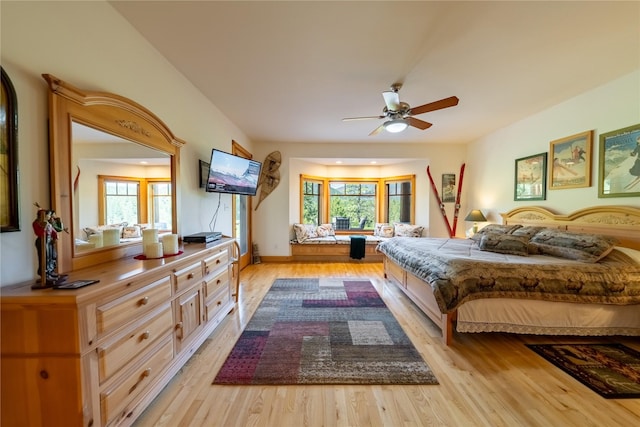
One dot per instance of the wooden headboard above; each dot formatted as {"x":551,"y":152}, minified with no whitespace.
{"x":620,"y":222}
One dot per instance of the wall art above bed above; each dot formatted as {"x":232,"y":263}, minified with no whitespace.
{"x":531,"y":178}
{"x":571,"y":161}
{"x":619,"y":167}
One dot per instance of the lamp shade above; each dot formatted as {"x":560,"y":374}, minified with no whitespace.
{"x":396,"y":125}
{"x":475,"y":215}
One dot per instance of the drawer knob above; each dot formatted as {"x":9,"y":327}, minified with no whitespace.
{"x":145,"y":335}
{"x":217,"y":261}
{"x":218,"y":281}
{"x":144,"y":301}
{"x":190,"y":276}
{"x":146,"y":373}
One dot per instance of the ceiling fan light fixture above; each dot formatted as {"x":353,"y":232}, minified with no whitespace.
{"x":396,"y":125}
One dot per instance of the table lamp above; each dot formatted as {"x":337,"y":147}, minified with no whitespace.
{"x":476,"y":216}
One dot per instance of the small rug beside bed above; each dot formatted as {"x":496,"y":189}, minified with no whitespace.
{"x":611,"y":370}
{"x":324,"y":331}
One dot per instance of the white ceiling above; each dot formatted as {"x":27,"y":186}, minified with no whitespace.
{"x":290,"y":71}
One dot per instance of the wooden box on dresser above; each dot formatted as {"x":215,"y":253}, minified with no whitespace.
{"x":98,"y":355}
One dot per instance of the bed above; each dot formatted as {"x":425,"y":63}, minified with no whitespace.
{"x":477,"y":286}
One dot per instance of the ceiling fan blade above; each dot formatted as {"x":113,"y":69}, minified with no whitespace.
{"x":377,"y":130}
{"x":417,"y":123}
{"x":392,"y":100}
{"x":346,"y":119}
{"x":432,"y":106}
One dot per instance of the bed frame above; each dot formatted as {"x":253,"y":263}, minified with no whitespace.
{"x":621,"y":222}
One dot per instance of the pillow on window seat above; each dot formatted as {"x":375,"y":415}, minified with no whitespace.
{"x":100,"y":228}
{"x":407,"y":230}
{"x":304,"y":232}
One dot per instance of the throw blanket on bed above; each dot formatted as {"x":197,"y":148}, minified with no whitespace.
{"x":458,"y":271}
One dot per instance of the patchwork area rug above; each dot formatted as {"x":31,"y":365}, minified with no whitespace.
{"x":324,"y":331}
{"x":611,"y":370}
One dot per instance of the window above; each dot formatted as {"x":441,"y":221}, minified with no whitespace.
{"x":399,"y":201}
{"x":356,"y":203}
{"x":121,"y":201}
{"x":160,"y":203}
{"x":311,"y":201}
{"x":134,"y":200}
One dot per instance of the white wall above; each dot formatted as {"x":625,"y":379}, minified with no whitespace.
{"x":89,"y":45}
{"x":612,"y":106}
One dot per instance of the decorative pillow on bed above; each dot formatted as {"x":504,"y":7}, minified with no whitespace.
{"x":527,"y":230}
{"x":305,"y":231}
{"x":494,"y":228}
{"x":407,"y":230}
{"x":325,"y":230}
{"x":577,"y":246}
{"x":504,"y":244}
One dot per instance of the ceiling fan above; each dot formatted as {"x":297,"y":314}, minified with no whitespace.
{"x":400,"y":114}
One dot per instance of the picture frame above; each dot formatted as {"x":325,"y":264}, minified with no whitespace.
{"x":571,"y":161}
{"x":203,"y":167}
{"x":531,"y":178}
{"x":619,"y":163}
{"x":9,"y":207}
{"x":448,"y":188}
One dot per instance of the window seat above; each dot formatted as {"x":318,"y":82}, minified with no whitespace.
{"x":334,"y":248}
{"x":321,"y":243}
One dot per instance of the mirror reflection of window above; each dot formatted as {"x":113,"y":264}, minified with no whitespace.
{"x":118,"y":181}
{"x":160,"y":202}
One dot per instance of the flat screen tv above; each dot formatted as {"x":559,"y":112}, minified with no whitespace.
{"x":232,"y":174}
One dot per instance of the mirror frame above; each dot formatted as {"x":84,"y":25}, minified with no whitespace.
{"x":112,"y":114}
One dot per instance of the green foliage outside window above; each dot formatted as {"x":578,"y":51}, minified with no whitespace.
{"x":356,"y":200}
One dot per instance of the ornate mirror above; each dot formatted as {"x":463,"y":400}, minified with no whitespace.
{"x":114,"y":165}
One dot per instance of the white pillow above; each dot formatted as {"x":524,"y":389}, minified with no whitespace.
{"x":305,"y":231}
{"x":131,"y":232}
{"x":325,"y":230}
{"x":377,"y":229}
{"x":386,"y":231}
{"x":407,"y":230}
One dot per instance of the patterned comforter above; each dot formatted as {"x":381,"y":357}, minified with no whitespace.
{"x":458,"y":271}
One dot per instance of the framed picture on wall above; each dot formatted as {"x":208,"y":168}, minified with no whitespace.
{"x":619,"y":163}
{"x":9,"y":215}
{"x":531,"y":178}
{"x":571,"y":165}
{"x":448,"y":187}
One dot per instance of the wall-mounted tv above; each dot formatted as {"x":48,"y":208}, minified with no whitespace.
{"x":232,"y":174}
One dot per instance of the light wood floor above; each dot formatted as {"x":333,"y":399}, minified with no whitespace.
{"x":485,"y":379}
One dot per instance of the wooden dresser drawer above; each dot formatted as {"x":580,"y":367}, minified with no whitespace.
{"x":115,"y":354}
{"x":187,"y":276}
{"x":214,"y":306}
{"x":123,"y":309}
{"x":216,"y":261}
{"x":214,"y":284}
{"x":114,"y":401}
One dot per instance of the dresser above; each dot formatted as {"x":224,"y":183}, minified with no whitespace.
{"x":99,"y":355}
